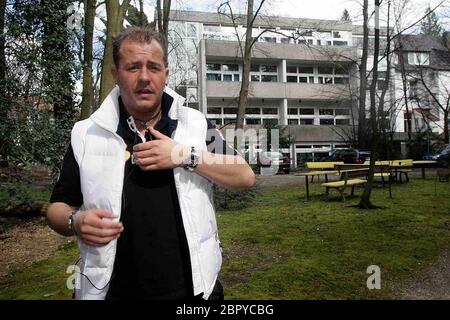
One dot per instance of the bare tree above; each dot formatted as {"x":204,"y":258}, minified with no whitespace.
{"x":245,"y":51}
{"x":363,"y":79}
{"x":115,"y":14}
{"x":163,"y":18}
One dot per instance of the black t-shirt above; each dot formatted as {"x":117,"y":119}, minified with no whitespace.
{"x":152,"y":258}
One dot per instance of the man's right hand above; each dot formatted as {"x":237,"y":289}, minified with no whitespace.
{"x":96,"y":227}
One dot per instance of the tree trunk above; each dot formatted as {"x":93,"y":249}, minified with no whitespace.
{"x":141,"y":13}
{"x":115,"y":14}
{"x":89,"y":17}
{"x":362,"y":127}
{"x":446,"y":134}
{"x":405,"y":92}
{"x":2,"y":41}
{"x":365,"y":202}
{"x":246,"y":59}
{"x":163,"y":20}
{"x":3,"y":101}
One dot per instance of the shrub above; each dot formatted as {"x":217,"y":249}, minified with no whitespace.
{"x":229,"y":199}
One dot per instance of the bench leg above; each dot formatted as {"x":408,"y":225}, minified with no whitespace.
{"x":342,"y":193}
{"x":353,"y":191}
{"x":382,"y":181}
{"x":407,"y":177}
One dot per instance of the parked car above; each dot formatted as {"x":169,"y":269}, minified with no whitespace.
{"x":268,"y":158}
{"x":442,"y":157}
{"x":349,"y":155}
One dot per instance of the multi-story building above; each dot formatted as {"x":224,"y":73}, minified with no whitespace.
{"x":304,"y":75}
{"x":425,"y":65}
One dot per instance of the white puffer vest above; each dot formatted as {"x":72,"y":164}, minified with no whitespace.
{"x":100,"y":154}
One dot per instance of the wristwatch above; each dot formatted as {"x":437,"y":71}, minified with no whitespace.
{"x":192,"y":162}
{"x":71,"y":221}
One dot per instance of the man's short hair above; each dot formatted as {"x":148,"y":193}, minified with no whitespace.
{"x":141,"y":35}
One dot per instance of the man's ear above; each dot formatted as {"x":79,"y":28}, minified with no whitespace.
{"x":114,"y":73}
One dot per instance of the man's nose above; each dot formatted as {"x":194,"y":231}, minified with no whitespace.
{"x":144,"y":75}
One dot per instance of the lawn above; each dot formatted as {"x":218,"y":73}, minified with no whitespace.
{"x":285,"y":247}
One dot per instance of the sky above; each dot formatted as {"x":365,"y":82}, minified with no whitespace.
{"x":319,"y":9}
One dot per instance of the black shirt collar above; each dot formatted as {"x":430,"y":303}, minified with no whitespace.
{"x":165,"y":125}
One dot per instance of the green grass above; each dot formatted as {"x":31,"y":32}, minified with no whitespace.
{"x":289,"y":248}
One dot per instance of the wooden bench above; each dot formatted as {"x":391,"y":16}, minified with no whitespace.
{"x":348,"y":178}
{"x":381,"y":170}
{"x":318,"y":168}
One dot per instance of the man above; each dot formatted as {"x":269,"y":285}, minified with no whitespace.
{"x":135,"y":186}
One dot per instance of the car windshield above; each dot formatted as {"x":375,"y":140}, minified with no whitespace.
{"x":446,"y":149}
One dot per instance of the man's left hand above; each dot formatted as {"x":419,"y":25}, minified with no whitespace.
{"x":159,"y":154}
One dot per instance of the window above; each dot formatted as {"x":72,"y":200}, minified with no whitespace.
{"x":292,"y":111}
{"x":230,"y":110}
{"x":307,"y":111}
{"x":237,"y":77}
{"x":268,"y":68}
{"x":340,"y":70}
{"x":342,"y":112}
{"x":229,"y":121}
{"x":336,"y":34}
{"x":293,"y":122}
{"x":325,"y":70}
{"x":255,"y":77}
{"x":342,"y":122}
{"x":305,"y":70}
{"x":252,"y":110}
{"x":291,"y":69}
{"x":254,"y":68}
{"x":213,"y":76}
{"x":253,"y":121}
{"x":307,"y":122}
{"x":227,"y":77}
{"x":269,"y":78}
{"x":326,"y":122}
{"x":325,"y":80}
{"x":214,"y":110}
{"x":303,"y":79}
{"x":230,"y":67}
{"x":340,"y":43}
{"x":270,"y":110}
{"x":213,"y":66}
{"x":326,"y":112}
{"x":291,"y":79}
{"x":419,"y":58}
{"x":270,"y":122}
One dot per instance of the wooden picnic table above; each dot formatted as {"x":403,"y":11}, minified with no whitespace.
{"x":314,"y":173}
{"x":423,"y":164}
